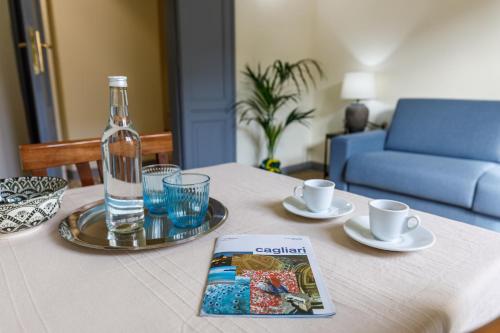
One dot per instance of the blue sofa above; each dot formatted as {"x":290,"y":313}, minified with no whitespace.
{"x":439,"y":156}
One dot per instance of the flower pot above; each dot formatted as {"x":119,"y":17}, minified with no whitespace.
{"x":271,"y":164}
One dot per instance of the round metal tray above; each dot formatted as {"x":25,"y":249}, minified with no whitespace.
{"x":87,"y":227}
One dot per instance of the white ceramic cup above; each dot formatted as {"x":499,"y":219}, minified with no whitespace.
{"x":316,"y":193}
{"x":390,"y":219}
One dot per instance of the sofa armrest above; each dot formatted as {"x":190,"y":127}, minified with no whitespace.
{"x":345,"y":146}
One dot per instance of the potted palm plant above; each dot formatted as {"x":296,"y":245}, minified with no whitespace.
{"x":278,"y":87}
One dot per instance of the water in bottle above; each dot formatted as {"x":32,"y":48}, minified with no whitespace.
{"x":122,"y":163}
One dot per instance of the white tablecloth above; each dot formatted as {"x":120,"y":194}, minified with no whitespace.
{"x":49,"y":285}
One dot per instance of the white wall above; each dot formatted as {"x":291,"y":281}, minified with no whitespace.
{"x":13,"y":130}
{"x":426,"y":48}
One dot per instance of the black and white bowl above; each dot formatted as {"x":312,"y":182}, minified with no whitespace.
{"x":27,"y":202}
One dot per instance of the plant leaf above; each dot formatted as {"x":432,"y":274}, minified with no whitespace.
{"x":274,"y":88}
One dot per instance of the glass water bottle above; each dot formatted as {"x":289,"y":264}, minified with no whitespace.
{"x":122,"y":163}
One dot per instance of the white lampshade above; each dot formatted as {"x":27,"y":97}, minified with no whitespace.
{"x":358,"y":85}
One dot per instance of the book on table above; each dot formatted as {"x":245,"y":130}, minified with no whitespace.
{"x":265,"y":275}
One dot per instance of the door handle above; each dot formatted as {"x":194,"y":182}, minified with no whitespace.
{"x":36,"y":48}
{"x":39,"y":51}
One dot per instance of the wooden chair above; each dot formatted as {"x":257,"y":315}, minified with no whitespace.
{"x":36,"y":158}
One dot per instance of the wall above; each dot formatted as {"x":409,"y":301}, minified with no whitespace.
{"x":13,"y":131}
{"x":446,"y":48}
{"x":121,"y":38}
{"x":266,"y":31}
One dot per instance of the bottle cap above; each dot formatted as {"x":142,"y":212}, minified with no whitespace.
{"x":117,"y":81}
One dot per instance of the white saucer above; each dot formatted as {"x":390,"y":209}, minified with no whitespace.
{"x":358,"y":228}
{"x":340,"y":207}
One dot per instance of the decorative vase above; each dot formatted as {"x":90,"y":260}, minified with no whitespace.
{"x":356,"y":117}
{"x":270,"y":163}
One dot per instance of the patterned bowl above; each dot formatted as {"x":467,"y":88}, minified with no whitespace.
{"x":26,"y":202}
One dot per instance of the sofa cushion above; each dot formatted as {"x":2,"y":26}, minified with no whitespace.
{"x":433,"y":207}
{"x":443,"y":179}
{"x":487,"y":199}
{"x":454,"y":128}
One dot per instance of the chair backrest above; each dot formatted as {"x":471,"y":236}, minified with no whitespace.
{"x":447,"y":127}
{"x":36,"y":158}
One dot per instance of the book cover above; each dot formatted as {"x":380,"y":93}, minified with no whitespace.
{"x":265,"y":275}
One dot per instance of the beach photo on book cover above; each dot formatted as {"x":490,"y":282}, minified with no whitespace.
{"x":253,"y":284}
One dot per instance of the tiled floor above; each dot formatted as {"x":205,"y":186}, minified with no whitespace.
{"x":307,"y":174}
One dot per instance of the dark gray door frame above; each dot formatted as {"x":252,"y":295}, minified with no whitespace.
{"x":35,"y":87}
{"x":174,"y":80}
{"x":202,"y":84}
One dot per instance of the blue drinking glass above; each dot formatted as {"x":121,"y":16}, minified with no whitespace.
{"x":152,"y":176}
{"x":187,"y":199}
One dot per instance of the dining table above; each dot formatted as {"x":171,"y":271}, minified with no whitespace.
{"x":50,"y":285}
